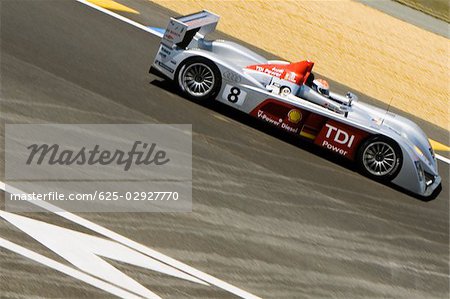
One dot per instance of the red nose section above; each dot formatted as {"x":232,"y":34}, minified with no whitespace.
{"x":297,"y":72}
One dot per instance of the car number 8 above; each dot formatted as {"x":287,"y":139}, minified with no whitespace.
{"x":234,"y":94}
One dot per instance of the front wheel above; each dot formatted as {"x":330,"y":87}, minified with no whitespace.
{"x":199,"y":79}
{"x":380,"y":158}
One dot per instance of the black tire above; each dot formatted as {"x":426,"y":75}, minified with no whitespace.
{"x":380,"y":158}
{"x":198,"y":79}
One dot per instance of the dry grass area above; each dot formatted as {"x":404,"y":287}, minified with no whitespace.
{"x":351,"y":43}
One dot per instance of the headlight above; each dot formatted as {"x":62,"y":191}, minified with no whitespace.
{"x":419,"y":170}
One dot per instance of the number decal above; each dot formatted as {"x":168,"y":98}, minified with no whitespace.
{"x":234,"y":95}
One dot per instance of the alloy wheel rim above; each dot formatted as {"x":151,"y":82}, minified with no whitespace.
{"x":379,"y":158}
{"x":198,"y":79}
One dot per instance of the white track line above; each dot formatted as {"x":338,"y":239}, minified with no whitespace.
{"x":136,"y":246}
{"x":67,"y":270}
{"x":122,"y":18}
{"x":443,"y":159}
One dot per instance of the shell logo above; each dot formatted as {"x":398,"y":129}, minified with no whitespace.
{"x":294,"y":116}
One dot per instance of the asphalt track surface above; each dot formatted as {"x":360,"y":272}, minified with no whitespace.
{"x":272,"y":216}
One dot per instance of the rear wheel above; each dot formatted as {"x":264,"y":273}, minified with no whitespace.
{"x":199,"y":79}
{"x":380,"y":158}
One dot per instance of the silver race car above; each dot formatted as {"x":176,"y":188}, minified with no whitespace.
{"x":385,"y":146}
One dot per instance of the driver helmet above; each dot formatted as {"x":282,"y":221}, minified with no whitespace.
{"x":321,"y":86}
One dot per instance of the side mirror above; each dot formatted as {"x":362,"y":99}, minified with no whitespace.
{"x":352,"y":97}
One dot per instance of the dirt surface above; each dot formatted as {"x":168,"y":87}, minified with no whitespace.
{"x":351,"y":43}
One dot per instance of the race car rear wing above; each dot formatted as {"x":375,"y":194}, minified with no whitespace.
{"x":182,"y":30}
